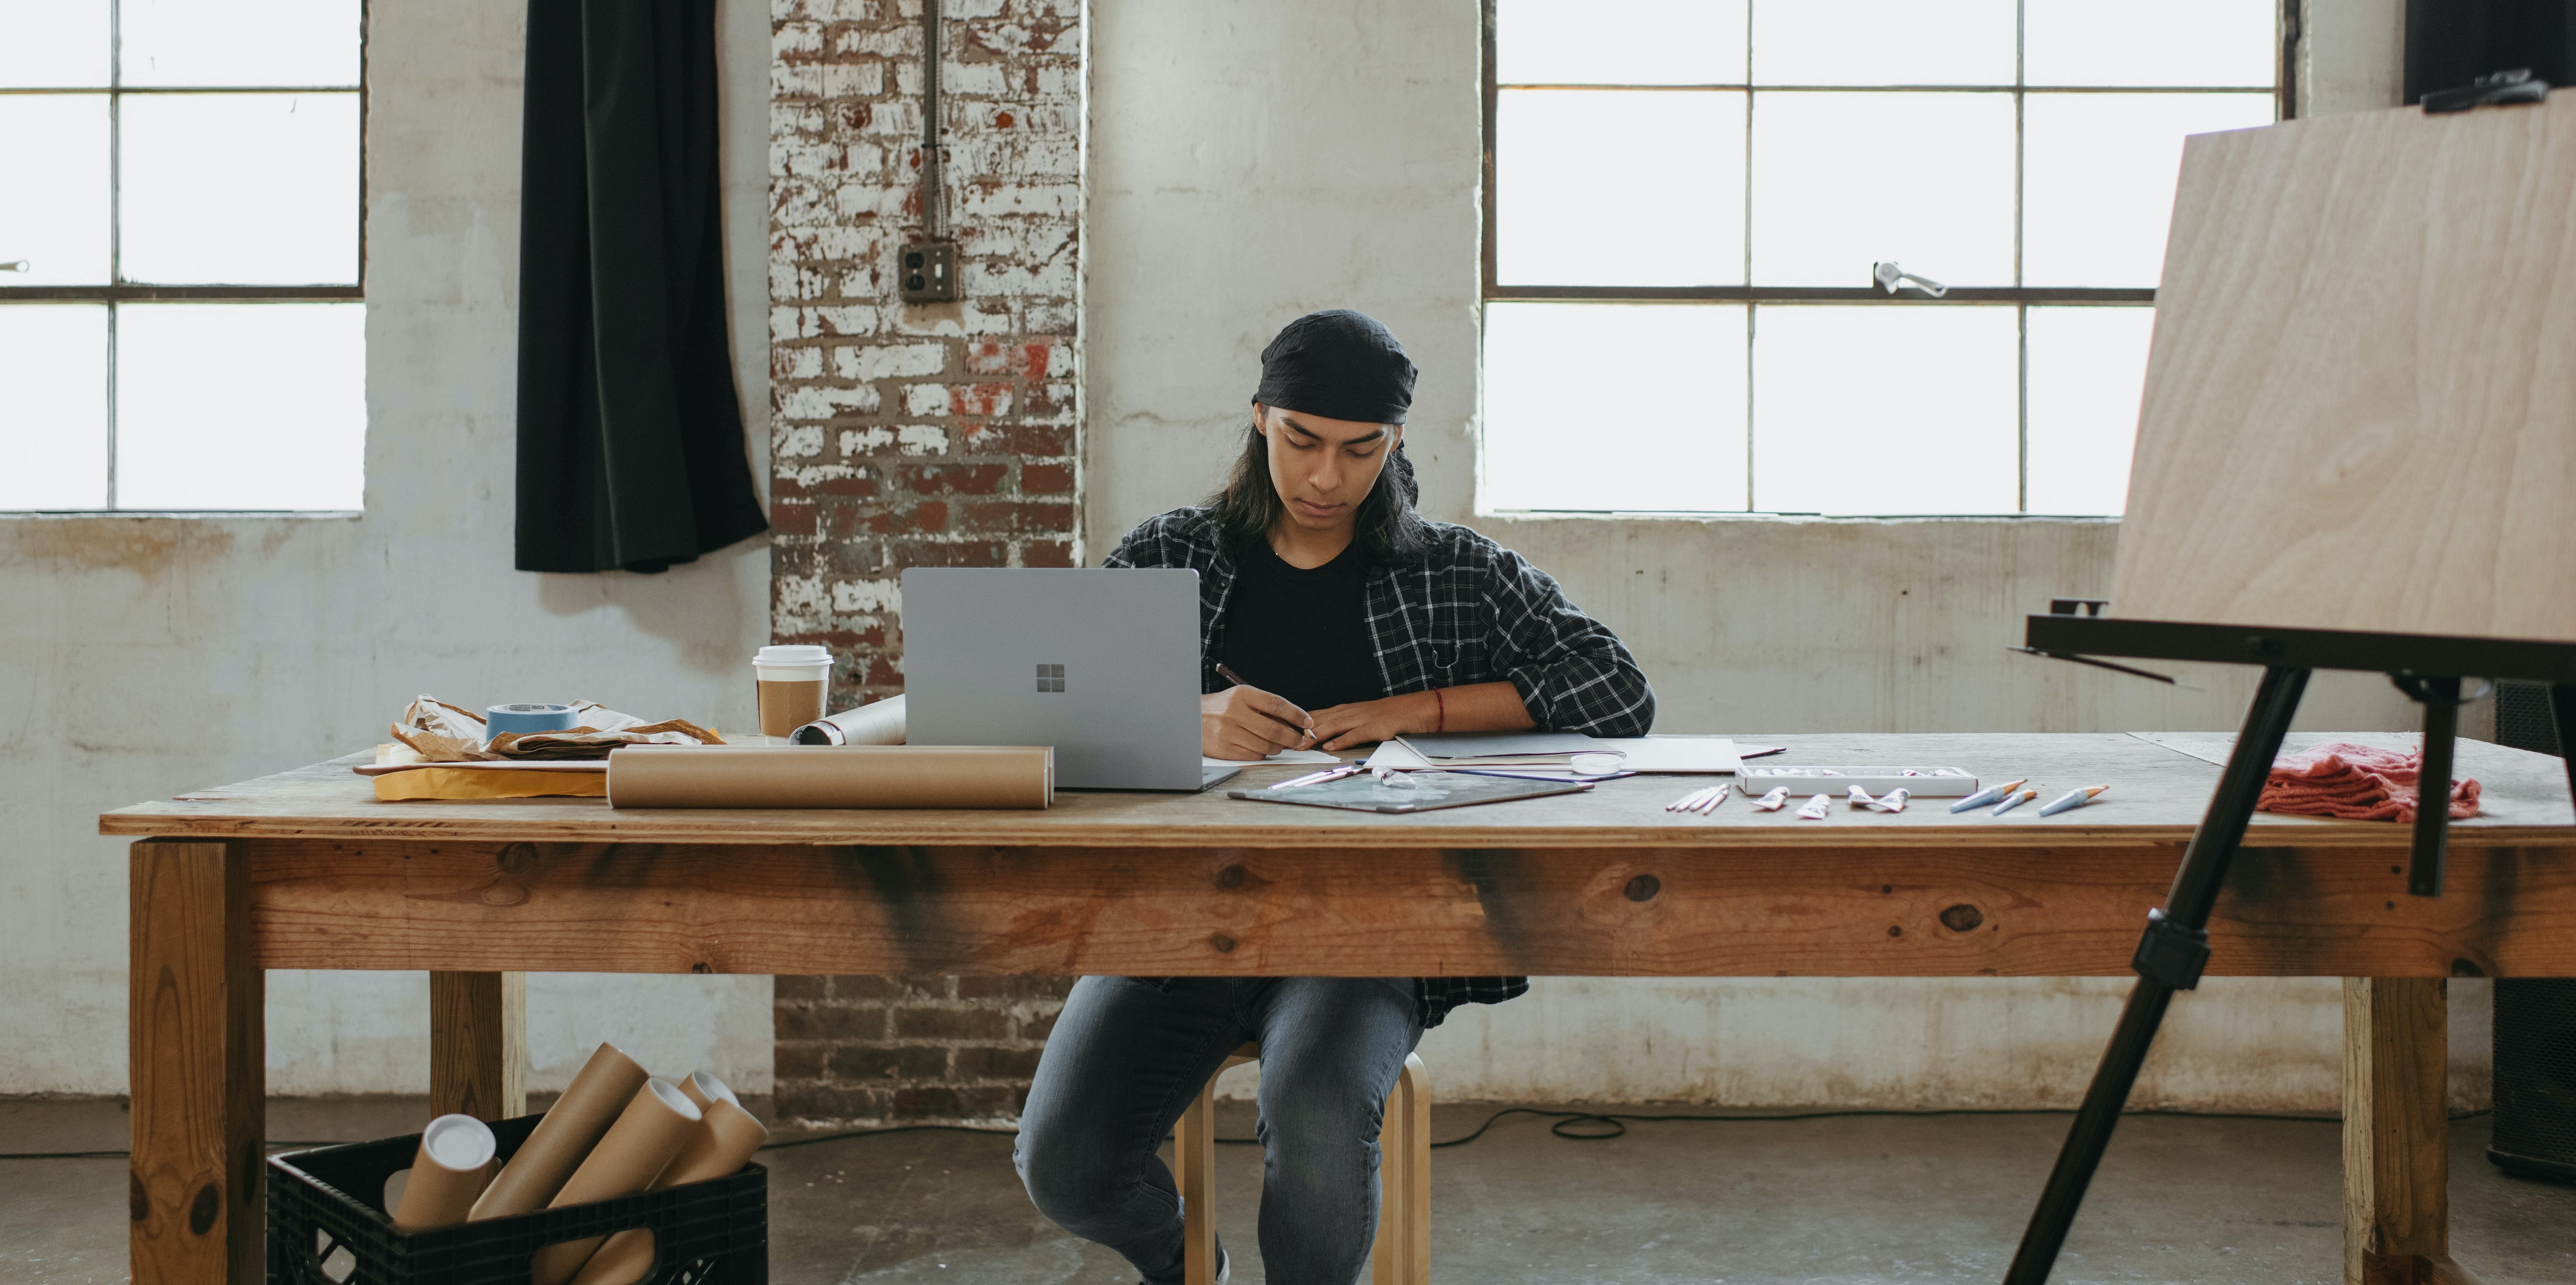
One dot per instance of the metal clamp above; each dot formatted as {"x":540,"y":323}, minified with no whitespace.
{"x":2496,"y":89}
{"x":2170,"y":953}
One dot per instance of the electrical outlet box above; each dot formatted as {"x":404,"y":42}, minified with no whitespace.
{"x":929,"y":272}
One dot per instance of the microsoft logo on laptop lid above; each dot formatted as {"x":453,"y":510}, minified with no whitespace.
{"x":1050,"y":678}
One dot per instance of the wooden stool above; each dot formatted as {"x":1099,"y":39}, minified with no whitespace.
{"x":1402,"y":1255}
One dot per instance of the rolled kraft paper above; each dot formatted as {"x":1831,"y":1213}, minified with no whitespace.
{"x":878,"y":724}
{"x":592,"y":1102}
{"x":448,"y":1172}
{"x":831,"y":776}
{"x":723,"y":1144}
{"x":637,"y":1149}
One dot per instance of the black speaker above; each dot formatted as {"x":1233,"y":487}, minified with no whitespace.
{"x":2535,"y":1017}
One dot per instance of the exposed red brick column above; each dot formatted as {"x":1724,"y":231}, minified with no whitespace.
{"x":916,"y":435}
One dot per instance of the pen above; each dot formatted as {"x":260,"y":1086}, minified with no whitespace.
{"x":1318,"y":778}
{"x":2012,"y":801}
{"x":1987,"y":795}
{"x":1702,"y":801}
{"x":2072,"y":799}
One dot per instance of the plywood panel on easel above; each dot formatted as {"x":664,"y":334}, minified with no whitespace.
{"x":2360,"y":407}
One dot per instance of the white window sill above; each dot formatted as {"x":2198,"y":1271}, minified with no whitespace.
{"x":1649,"y":515}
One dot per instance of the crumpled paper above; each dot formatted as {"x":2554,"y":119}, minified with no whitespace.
{"x":444,"y":733}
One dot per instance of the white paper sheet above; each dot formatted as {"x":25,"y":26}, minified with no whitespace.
{"x":1654,"y":754}
{"x":1283,"y":756}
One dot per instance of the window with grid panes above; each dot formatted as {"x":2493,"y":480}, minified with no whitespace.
{"x":181,"y":325}
{"x":1685,"y":201}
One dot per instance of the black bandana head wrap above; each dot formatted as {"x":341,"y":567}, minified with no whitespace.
{"x":1338,"y":364}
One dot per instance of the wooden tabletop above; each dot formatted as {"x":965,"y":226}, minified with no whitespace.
{"x":2160,"y":784}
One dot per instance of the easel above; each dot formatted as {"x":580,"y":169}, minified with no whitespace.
{"x":2175,"y":947}
{"x":2353,"y":336}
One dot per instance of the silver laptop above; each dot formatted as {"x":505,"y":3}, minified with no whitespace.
{"x":1102,"y":664}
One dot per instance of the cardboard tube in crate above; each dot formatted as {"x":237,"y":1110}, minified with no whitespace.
{"x":592,"y":1102}
{"x":653,"y":1128}
{"x":723,"y":1144}
{"x":832,"y":776}
{"x":454,"y":1163}
{"x":706,"y":1090}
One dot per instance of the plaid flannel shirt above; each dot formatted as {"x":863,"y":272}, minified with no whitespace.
{"x":1468,"y":611}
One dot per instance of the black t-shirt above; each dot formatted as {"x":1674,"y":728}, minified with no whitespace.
{"x":1303,"y":633}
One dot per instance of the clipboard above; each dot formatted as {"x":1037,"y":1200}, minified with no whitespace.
{"x":1431,"y":791}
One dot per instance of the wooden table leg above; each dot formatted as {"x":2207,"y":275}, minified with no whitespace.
{"x":2396,"y":1132}
{"x":478,"y":1044}
{"x":196,"y":1061}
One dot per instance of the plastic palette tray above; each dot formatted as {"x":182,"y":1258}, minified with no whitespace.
{"x":1918,"y":782}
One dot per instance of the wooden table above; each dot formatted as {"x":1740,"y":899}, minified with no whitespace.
{"x":306,"y":870}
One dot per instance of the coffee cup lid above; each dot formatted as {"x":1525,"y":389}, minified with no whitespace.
{"x":794,"y":654}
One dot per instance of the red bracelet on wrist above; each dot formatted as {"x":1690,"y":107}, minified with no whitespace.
{"x":1443,"y":703}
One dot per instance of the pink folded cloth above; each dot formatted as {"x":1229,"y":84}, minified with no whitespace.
{"x":2356,"y":782}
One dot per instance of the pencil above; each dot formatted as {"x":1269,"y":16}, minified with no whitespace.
{"x":1237,"y":679}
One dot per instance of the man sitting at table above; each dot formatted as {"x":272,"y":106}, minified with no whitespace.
{"x":1351,"y":619}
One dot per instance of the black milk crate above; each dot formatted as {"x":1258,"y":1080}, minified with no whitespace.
{"x":327,"y":1224}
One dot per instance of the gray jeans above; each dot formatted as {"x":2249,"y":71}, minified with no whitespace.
{"x":1128,"y":1054}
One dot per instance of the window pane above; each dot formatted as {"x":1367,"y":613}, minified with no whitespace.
{"x":1595,"y":42}
{"x":55,"y":44}
{"x":53,"y":204}
{"x":1841,"y":181}
{"x":1886,"y":409}
{"x":1611,"y":406}
{"x":1621,"y":187}
{"x":241,"y":406}
{"x":2098,"y":188}
{"x":2087,"y":368}
{"x":240,"y":42}
{"x":241,"y":189}
{"x":2170,"y":42}
{"x":53,"y":406}
{"x":1883,"y":42}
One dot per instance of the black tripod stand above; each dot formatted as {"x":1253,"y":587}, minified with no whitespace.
{"x":2175,"y":947}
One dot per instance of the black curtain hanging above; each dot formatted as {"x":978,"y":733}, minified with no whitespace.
{"x":630,"y":432}
{"x":2452,"y":42}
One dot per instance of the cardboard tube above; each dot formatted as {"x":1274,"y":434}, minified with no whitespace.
{"x":637,"y":1149}
{"x":448,"y":1172}
{"x":831,"y":776}
{"x":723,"y":1144}
{"x":575,"y":1124}
{"x":706,"y":1090}
{"x":878,"y":724}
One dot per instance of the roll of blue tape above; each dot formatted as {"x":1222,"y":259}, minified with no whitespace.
{"x":526,"y":718}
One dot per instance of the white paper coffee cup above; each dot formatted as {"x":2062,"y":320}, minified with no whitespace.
{"x":793,"y":683}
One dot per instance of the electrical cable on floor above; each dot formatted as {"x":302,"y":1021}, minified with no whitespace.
{"x":1607,"y":1125}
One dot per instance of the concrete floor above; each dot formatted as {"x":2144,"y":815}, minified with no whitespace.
{"x":1863,"y":1199}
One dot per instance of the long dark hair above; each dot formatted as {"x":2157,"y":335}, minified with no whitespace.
{"x":1249,"y":505}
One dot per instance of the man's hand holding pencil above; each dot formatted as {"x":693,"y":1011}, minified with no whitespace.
{"x":1244,"y":722}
